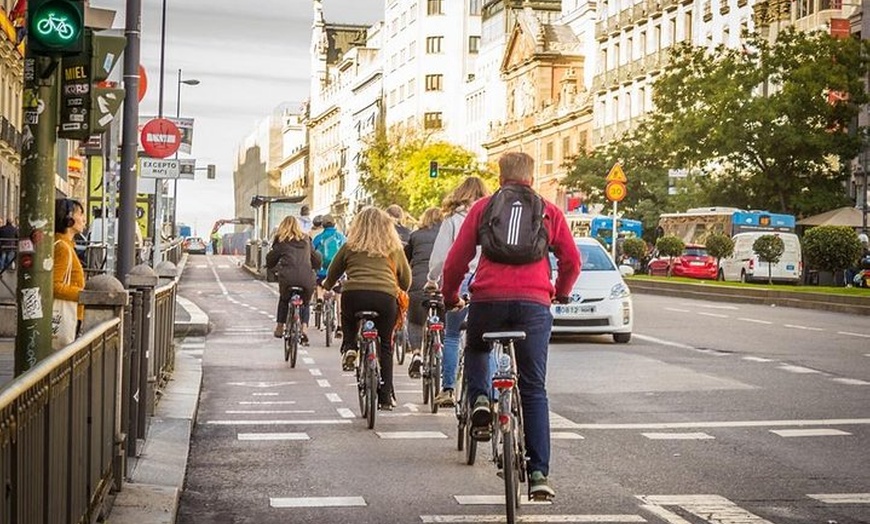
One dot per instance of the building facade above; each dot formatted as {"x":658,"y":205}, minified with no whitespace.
{"x":295,"y":176}
{"x":11,"y":85}
{"x":256,"y":170}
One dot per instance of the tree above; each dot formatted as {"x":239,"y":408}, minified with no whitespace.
{"x":831,"y":248}
{"x":769,"y":249}
{"x":395,"y":169}
{"x":769,"y":120}
{"x":634,"y":247}
{"x":719,"y":246}
{"x":670,"y":246}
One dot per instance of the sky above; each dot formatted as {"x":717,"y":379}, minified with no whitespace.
{"x":250,"y":56}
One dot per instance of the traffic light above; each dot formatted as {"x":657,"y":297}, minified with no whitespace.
{"x":55,"y":27}
{"x":210,"y":172}
{"x":88,"y":105}
{"x":433,"y":169}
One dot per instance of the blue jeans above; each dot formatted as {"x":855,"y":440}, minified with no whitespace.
{"x":536,"y":320}
{"x":450,"y":352}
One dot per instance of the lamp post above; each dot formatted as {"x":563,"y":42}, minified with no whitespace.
{"x":189,"y":82}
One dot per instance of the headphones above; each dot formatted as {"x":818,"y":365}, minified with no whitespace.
{"x":64,"y":210}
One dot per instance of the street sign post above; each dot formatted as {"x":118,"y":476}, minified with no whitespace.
{"x":160,"y":138}
{"x":159,"y":167}
{"x":615,"y":191}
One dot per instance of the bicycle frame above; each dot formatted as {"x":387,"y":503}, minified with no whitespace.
{"x":368,"y":370}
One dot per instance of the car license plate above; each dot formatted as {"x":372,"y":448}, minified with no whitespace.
{"x":575,"y":310}
{"x":696,"y":263}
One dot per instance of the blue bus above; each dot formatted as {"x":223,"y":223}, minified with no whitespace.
{"x":602,"y":227}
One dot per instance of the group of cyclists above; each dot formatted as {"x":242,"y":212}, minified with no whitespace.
{"x":481,"y":251}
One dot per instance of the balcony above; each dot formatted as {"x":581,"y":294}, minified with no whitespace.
{"x":708,"y":11}
{"x":669,"y":4}
{"x":653,"y":7}
{"x":625,"y":20}
{"x":724,"y":8}
{"x":601,"y":30}
{"x":10,"y":138}
{"x":741,"y":3}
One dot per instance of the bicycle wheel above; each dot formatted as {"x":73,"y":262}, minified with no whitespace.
{"x":401,"y":343}
{"x":511,"y":477}
{"x":372,"y":380}
{"x":435,"y":371}
{"x":470,"y":446}
{"x":426,"y":372}
{"x":328,"y":322}
{"x":295,"y":340}
{"x":361,"y":379}
{"x":288,"y":335}
{"x":318,"y":314}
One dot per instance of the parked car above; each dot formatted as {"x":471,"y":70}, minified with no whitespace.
{"x":194,"y":246}
{"x":600,"y":300}
{"x":695,"y":262}
{"x":743,"y":264}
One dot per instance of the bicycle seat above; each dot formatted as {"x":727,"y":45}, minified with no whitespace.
{"x":296,"y":289}
{"x":504,"y":336}
{"x":436,"y":301}
{"x":367,"y":315}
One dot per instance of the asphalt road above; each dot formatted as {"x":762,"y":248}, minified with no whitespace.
{"x":714,"y":413}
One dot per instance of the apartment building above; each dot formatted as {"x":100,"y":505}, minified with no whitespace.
{"x":295,"y":177}
{"x":11,"y":83}
{"x":256,"y":170}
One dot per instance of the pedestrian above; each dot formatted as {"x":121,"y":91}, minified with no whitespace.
{"x":327,"y":243}
{"x":396,"y":212}
{"x":316,"y":226}
{"x":305,"y":219}
{"x":418,"y":251}
{"x":512,"y":291}
{"x":215,"y":242}
{"x":293,"y":261}
{"x":455,"y":208}
{"x":8,"y":244}
{"x":377,"y":271}
{"x":68,"y":277}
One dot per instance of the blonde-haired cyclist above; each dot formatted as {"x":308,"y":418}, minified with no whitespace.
{"x":375,"y":267}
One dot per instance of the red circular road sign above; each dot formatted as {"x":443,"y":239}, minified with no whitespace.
{"x":160,"y":138}
{"x":615,"y":191}
{"x":143,"y":82}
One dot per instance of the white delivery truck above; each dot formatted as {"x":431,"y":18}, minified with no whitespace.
{"x":744,"y":266}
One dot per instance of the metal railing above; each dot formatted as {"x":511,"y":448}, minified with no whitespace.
{"x":59,"y":428}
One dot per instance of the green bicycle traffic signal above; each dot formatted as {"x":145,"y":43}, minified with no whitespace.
{"x":55,"y":27}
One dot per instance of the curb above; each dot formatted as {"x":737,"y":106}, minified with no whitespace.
{"x":197,"y":326}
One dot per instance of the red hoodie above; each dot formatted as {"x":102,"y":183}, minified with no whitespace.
{"x":494,"y":282}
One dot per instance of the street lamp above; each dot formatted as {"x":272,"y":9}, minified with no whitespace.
{"x":189,"y":82}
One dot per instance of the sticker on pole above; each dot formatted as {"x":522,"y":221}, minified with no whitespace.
{"x":615,"y":191}
{"x":160,"y":138}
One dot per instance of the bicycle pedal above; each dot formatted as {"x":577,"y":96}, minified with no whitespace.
{"x":541,"y":497}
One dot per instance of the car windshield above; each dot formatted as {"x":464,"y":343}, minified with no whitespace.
{"x":592,"y":258}
{"x":695,"y":252}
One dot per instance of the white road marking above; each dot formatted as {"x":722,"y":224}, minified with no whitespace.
{"x":851,"y":381}
{"x":755,"y":321}
{"x":842,"y":498}
{"x":333,"y":397}
{"x":677,"y":310}
{"x":263,"y":334}
{"x":678,"y":436}
{"x":714,"y":306}
{"x":403,"y":391}
{"x":201,"y":266}
{"x":345,"y":413}
{"x":703,"y":507}
{"x":459,"y":519}
{"x":757,"y":359}
{"x":662,"y":342}
{"x":397,"y":435}
{"x":662,"y":513}
{"x":308,"y":360}
{"x":303,"y":351}
{"x":411,"y":407}
{"x":730,"y":424}
{"x":805,"y":328}
{"x":323,"y":383}
{"x":261,"y":384}
{"x":559,"y":422}
{"x":265,"y":402}
{"x":797,"y":369}
{"x":494,"y":500}
{"x":316,"y":502}
{"x":265,"y":394}
{"x":787,"y":433}
{"x":223,"y":266}
{"x":246,"y":330}
{"x":565,"y":435}
{"x":850,"y":334}
{"x":275,"y":422}
{"x":714,"y":315}
{"x":315,"y":372}
{"x":268,"y":412}
{"x":273,"y":436}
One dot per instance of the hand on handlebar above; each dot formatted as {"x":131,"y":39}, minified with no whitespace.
{"x":460,"y":303}
{"x":561,"y":300}
{"x":430,"y":286}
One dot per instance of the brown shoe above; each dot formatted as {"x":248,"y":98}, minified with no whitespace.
{"x":279,"y":330}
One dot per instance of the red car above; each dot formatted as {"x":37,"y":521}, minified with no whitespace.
{"x":693,"y":263}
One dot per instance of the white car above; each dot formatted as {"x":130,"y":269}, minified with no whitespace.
{"x":600,"y":300}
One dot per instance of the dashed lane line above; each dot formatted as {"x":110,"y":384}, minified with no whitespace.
{"x":757,"y":359}
{"x":459,"y":519}
{"x":265,"y":402}
{"x":318,"y":422}
{"x":842,"y":498}
{"x":654,"y":340}
{"x":265,"y":394}
{"x":345,"y":413}
{"x":565,"y":435}
{"x":272,"y":436}
{"x":850,"y":334}
{"x":678,"y":436}
{"x":789,"y":433}
{"x":333,"y":397}
{"x":798,"y":369}
{"x":415,"y":435}
{"x":307,"y":361}
{"x":269,"y":411}
{"x":714,"y":315}
{"x":755,"y":321}
{"x":851,"y":381}
{"x":724,"y":424}
{"x":324,"y":383}
{"x":677,"y":310}
{"x":316,"y":502}
{"x":315,"y":372}
{"x":804,"y":328}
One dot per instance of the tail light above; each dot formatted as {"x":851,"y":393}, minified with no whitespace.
{"x":751,"y":263}
{"x":503,"y":382}
{"x":437,"y":326}
{"x":504,"y":420}
{"x":296,"y":301}
{"x":370,"y":335}
{"x":371,"y":356}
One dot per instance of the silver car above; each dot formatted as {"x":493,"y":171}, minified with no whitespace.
{"x":600,"y":300}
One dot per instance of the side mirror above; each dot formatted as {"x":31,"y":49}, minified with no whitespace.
{"x":626,"y":271}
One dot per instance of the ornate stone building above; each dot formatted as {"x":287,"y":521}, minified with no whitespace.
{"x":11,"y":82}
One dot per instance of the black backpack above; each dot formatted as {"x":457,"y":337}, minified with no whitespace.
{"x":512,"y":228}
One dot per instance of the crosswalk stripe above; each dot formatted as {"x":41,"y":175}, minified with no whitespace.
{"x":396,"y":435}
{"x":565,"y":435}
{"x":345,"y":413}
{"x":333,"y":397}
{"x":823,"y":432}
{"x":275,"y":422}
{"x":268,"y":411}
{"x":678,"y":436}
{"x":265,"y":402}
{"x":701,"y":506}
{"x":323,"y":383}
{"x":493,"y":500}
{"x":432,"y":519}
{"x":316,"y":502}
{"x":315,"y":372}
{"x":273,"y":436}
{"x":842,"y":498}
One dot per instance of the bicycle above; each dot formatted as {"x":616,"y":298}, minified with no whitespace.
{"x":401,"y":341}
{"x":464,"y":441}
{"x":293,"y":326}
{"x":368,"y":369}
{"x":508,"y":437}
{"x":432,"y":346}
{"x":328,"y":309}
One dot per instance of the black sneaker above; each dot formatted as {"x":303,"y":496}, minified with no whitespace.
{"x":385,"y":407}
{"x":415,"y":365}
{"x":481,"y":419}
{"x":338,"y":332}
{"x":539,"y":487}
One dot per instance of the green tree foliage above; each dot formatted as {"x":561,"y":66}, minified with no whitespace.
{"x":762,"y":119}
{"x":719,"y":246}
{"x":634,"y":247}
{"x":769,"y":249}
{"x":670,"y":246}
{"x":831,"y":248}
{"x":395,"y":169}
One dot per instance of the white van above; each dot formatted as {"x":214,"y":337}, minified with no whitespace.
{"x":744,"y":265}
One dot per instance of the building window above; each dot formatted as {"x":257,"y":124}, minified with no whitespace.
{"x":411,"y":88}
{"x":433,"y":44}
{"x":548,"y":158}
{"x":412,"y":50}
{"x":434,"y":7}
{"x":566,"y":148}
{"x":432,"y":121}
{"x":434,"y":82}
{"x":474,"y":7}
{"x":688,"y":28}
{"x":473,"y":44}
{"x":412,"y":13}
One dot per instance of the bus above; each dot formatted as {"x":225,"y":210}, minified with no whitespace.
{"x":601,"y":226}
{"x":696,"y":224}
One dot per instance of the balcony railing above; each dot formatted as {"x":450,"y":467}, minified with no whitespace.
{"x":10,"y":137}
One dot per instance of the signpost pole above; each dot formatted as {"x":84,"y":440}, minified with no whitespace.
{"x":613,"y":235}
